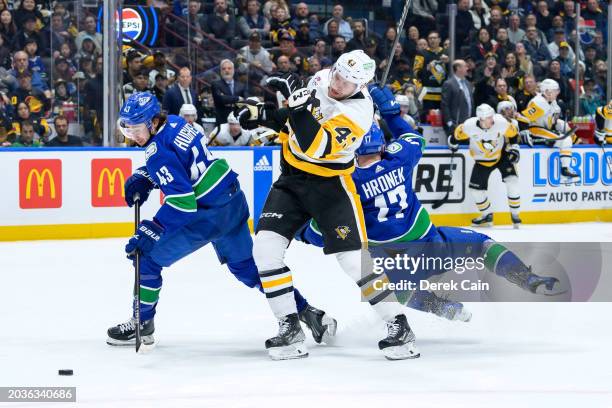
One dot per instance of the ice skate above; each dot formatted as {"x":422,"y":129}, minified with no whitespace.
{"x":516,"y":221}
{"x":400,"y":341}
{"x":322,"y":326}
{"x":429,"y":302}
{"x":537,"y":284}
{"x":569,"y":176}
{"x":124,"y":334}
{"x":483,"y":221}
{"x":289,"y":343}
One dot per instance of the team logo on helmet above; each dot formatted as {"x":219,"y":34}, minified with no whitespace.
{"x":351,"y":63}
{"x":143,"y":100}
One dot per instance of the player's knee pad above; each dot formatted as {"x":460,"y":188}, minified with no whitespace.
{"x":269,"y":250}
{"x":245,"y":271}
{"x":350,"y":262}
{"x":512,"y":185}
{"x":564,"y":143}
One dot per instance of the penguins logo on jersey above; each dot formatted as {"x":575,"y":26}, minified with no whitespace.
{"x":315,"y":106}
{"x":489,"y":145}
{"x":342,"y":232}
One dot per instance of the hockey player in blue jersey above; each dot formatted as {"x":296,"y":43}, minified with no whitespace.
{"x":203,"y":203}
{"x":393,"y":213}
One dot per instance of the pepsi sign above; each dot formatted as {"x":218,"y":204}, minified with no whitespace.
{"x":139,"y":24}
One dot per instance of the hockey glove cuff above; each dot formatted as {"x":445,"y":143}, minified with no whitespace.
{"x":452,"y":144}
{"x":525,"y":137}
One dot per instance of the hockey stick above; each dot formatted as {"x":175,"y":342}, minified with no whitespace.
{"x":443,"y":200}
{"x":400,"y":29}
{"x":137,"y":275}
{"x":603,"y":150}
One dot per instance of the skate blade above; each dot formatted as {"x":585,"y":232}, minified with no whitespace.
{"x":516,"y":226}
{"x":463,"y":316}
{"x":290,"y":352}
{"x":404,"y":352}
{"x":555,"y":291}
{"x":148,"y":341}
{"x":485,"y":225}
{"x":329,"y":337}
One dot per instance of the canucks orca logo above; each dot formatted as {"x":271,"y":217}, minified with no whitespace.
{"x":143,"y":100}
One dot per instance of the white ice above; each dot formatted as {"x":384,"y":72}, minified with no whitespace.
{"x":57,"y":299}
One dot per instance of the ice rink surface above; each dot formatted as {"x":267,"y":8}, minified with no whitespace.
{"x":57,"y":298}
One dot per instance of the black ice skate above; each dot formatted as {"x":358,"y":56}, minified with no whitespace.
{"x":569,"y":176}
{"x":516,"y":221}
{"x":124,"y":334}
{"x":483,"y":221}
{"x":289,"y":343}
{"x":537,"y":284}
{"x":399,"y":343}
{"x":322,"y":326}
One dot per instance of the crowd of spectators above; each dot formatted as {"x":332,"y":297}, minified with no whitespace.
{"x":51,"y":65}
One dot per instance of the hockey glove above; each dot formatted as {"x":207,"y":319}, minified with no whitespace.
{"x":147,"y":235}
{"x":140,"y":183}
{"x":452,"y":144}
{"x":248,"y":112}
{"x":285,"y":84}
{"x":600,"y":137}
{"x":514,"y":154}
{"x":384,"y":100}
{"x":526,"y":138}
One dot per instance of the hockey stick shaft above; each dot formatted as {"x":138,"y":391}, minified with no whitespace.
{"x":137,"y":275}
{"x":603,"y":150}
{"x":400,"y":29}
{"x":444,"y":199}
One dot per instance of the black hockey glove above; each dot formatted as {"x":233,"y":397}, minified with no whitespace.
{"x":514,"y":154}
{"x":286,"y":84}
{"x":249,"y":112}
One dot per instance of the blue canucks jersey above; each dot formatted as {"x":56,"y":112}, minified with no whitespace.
{"x":391,"y":208}
{"x":187,"y":173}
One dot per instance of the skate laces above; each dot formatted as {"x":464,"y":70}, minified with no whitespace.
{"x":127,"y":326}
{"x":393,"y":328}
{"x":283,"y":326}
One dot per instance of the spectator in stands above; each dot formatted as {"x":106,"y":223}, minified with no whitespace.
{"x":226,"y":91}
{"x":481,"y":15}
{"x":88,"y":49}
{"x":36,"y":99}
{"x":28,"y":31}
{"x":92,"y":113}
{"x":23,"y":114}
{"x":57,"y":34}
{"x":332,"y":32}
{"x":302,"y":13}
{"x":532,"y":21}
{"x":66,"y":52}
{"x":512,"y":73}
{"x":26,"y":10}
{"x":553,"y":47}
{"x":515,"y":33}
{"x":568,"y":64}
{"x":430,"y":68}
{"x":464,"y":23}
{"x":160,"y":66}
{"x":557,"y":24}
{"x":371,"y":48}
{"x":5,"y":54}
{"x":544,"y":16}
{"x":140,"y":83}
{"x":221,"y":24}
{"x":63,"y":102}
{"x":344,"y":27}
{"x":257,"y":57}
{"x":484,"y":80}
{"x":160,"y":86}
{"x":180,"y":93}
{"x":594,"y":12}
{"x":600,"y":45}
{"x":320,"y":51}
{"x":35,"y":63}
{"x":133,"y":61}
{"x":496,"y":22}
{"x":280,"y":24}
{"x":60,"y":9}
{"x":286,"y":47}
{"x":565,"y":97}
{"x":600,"y":72}
{"x":338,"y":47}
{"x":64,"y":72}
{"x":304,"y":37}
{"x":4,"y":132}
{"x":457,"y":101}
{"x":314,"y":66}
{"x":569,"y":15}
{"x":501,"y":93}
{"x":529,"y":91}
{"x":591,"y":99}
{"x":524,"y":59}
{"x":590,"y":55}
{"x":283,"y":65}
{"x":423,"y":15}
{"x":253,"y":21}
{"x":8,"y":29}
{"x":358,"y":42}
{"x":537,"y":50}
{"x":384,"y":46}
{"x":27,"y":138}
{"x":483,"y":46}
{"x":410,"y":44}
{"x":400,"y":73}
{"x":62,"y":138}
{"x":90,"y":32}
{"x":504,"y":44}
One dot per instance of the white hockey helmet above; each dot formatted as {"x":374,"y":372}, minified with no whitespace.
{"x":549,"y":85}
{"x":503,"y":105}
{"x":484,"y":111}
{"x":188,"y":109}
{"x":356,"y":67}
{"x":232,"y":120}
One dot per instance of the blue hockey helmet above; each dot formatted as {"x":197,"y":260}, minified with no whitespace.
{"x":373,"y":141}
{"x":139,"y":109}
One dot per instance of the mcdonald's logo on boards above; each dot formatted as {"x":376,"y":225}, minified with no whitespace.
{"x":40,"y":183}
{"x":107,"y":179}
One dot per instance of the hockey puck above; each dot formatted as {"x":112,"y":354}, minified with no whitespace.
{"x":65,"y":372}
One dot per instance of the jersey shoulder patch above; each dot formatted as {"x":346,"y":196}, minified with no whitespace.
{"x":150,"y":150}
{"x":394,"y":148}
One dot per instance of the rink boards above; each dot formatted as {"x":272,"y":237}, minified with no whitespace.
{"x":57,"y":193}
